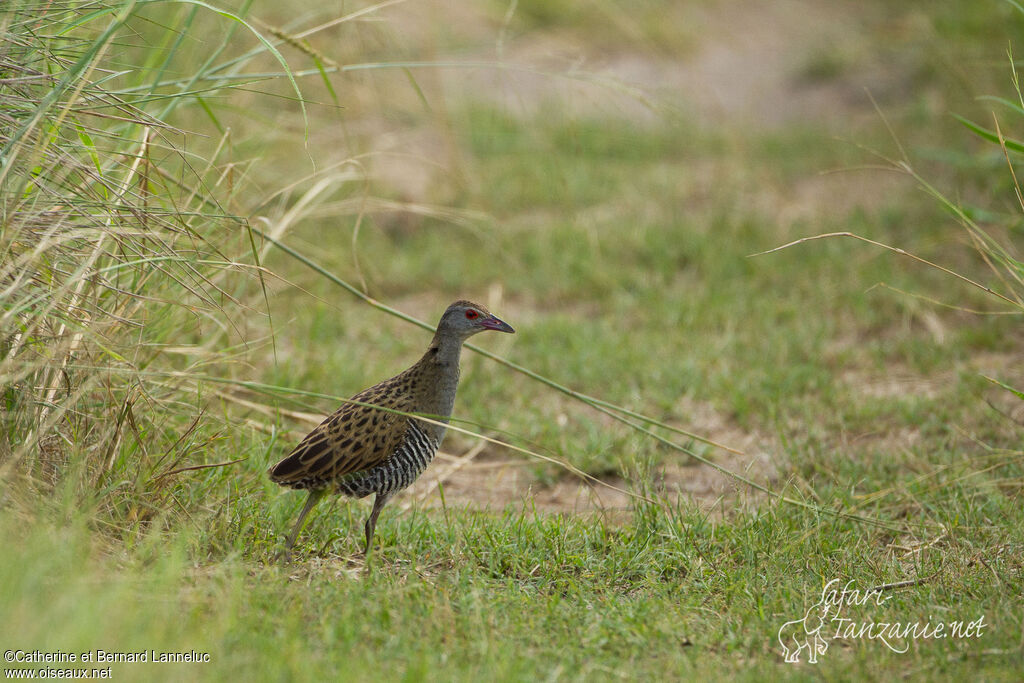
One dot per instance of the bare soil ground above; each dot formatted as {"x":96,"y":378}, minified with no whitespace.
{"x":488,"y":480}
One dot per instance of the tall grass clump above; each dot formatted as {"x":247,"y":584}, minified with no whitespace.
{"x":121,"y":271}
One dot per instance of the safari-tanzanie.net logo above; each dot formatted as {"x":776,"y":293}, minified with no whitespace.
{"x":847,"y":613}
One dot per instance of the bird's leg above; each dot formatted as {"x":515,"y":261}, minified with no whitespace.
{"x":314,"y":497}
{"x":378,"y":504}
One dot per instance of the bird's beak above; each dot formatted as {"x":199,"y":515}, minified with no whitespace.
{"x":496,"y":324}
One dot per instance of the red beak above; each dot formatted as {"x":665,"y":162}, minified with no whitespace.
{"x":496,"y":324}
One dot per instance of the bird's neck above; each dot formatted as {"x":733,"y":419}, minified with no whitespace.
{"x":444,"y":352}
{"x":439,"y":372}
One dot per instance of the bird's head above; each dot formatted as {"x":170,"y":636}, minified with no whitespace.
{"x":463,"y":319}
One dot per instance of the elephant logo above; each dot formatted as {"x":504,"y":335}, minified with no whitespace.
{"x":805,"y":634}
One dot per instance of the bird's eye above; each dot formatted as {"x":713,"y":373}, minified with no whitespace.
{"x":472,"y":315}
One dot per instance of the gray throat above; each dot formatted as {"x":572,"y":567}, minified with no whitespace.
{"x":443,"y":356}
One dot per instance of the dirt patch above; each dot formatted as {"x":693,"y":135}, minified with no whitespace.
{"x":899,"y":380}
{"x":827,"y":196}
{"x":749,"y":68}
{"x":488,"y":480}
{"x":762,"y":65}
{"x":895,"y":383}
{"x":750,"y":456}
{"x":495,"y":482}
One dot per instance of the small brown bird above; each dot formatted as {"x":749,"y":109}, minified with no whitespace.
{"x":362,"y":449}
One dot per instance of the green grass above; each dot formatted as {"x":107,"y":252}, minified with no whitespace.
{"x":514,"y":595}
{"x":623,"y":253}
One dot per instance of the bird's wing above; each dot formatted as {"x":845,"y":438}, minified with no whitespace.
{"x":354,"y":438}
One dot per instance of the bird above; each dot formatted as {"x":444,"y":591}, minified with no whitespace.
{"x":372,"y":443}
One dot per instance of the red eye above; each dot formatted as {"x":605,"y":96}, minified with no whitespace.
{"x":472,"y":315}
